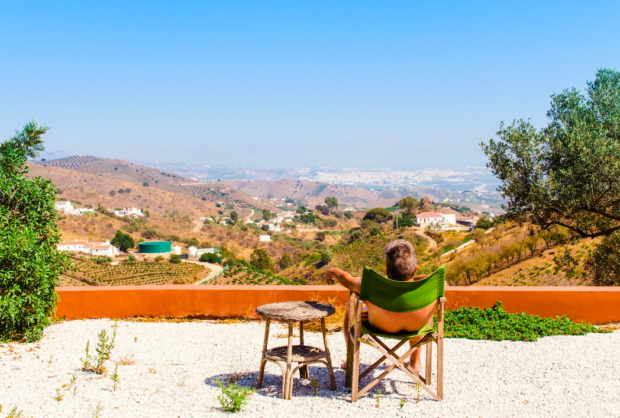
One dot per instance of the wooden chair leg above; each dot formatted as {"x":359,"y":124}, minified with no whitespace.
{"x":261,"y":372}
{"x":356,"y":352}
{"x":429,"y":363}
{"x":328,"y":358}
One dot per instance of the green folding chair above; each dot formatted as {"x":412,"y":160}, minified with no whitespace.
{"x":395,"y":296}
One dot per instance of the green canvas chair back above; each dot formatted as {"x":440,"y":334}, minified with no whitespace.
{"x":395,"y":296}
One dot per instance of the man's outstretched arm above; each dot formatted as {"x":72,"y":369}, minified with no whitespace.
{"x":345,"y":279}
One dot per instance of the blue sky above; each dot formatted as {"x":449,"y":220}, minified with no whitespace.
{"x":365,"y":84}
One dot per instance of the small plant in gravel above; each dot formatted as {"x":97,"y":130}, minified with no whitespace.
{"x":115,"y":378}
{"x":58,"y":396}
{"x":418,"y":392}
{"x":402,"y":403}
{"x":378,"y":398}
{"x":86,"y":365}
{"x":153,"y":371}
{"x":315,"y":385}
{"x":15,"y":413}
{"x":497,"y":325}
{"x":233,"y":398}
{"x":96,"y":411}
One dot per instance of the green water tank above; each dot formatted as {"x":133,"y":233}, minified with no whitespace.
{"x":155,"y":247}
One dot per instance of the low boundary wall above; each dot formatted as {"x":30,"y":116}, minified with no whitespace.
{"x":586,"y":304}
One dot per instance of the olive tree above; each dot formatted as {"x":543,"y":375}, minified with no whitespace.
{"x":568,"y":172}
{"x":30,"y":264}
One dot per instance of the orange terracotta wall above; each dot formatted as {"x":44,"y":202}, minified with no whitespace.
{"x":587,"y":304}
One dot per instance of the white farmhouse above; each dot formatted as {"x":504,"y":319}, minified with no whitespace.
{"x":91,"y":248}
{"x":428,"y":218}
{"x":264,"y":238}
{"x":71,"y":245}
{"x":104,"y":250}
{"x":64,"y":206}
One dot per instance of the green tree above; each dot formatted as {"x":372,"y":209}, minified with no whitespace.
{"x":286,"y":261}
{"x":301,"y":210}
{"x":234,"y":216}
{"x":567,"y":173}
{"x":348,"y":214}
{"x":261,"y":260}
{"x":265,"y":228}
{"x":122,"y":241}
{"x":209,"y":258}
{"x":378,"y":215}
{"x":484,"y":223}
{"x":145,"y":184}
{"x":320,"y":236}
{"x":324,"y":209}
{"x":175,"y":259}
{"x":326,"y":256}
{"x":332,"y":203}
{"x":267,"y":214}
{"x":374,"y":230}
{"x":30,"y":265}
{"x":409,"y":205}
{"x":608,"y":255}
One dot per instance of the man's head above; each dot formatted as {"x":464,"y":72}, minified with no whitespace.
{"x":400,"y":260}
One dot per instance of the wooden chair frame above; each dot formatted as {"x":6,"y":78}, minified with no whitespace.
{"x":354,"y":339}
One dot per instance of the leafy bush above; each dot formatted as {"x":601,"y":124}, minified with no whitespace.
{"x":348,"y":214}
{"x":374,"y":230}
{"x":175,"y":259}
{"x":286,"y":261}
{"x":497,"y":325}
{"x":326,"y":256}
{"x":265,"y":227}
{"x":131,"y":259}
{"x":233,"y":398}
{"x":209,"y":258}
{"x":30,"y":265}
{"x":484,"y":223}
{"x":261,"y":260}
{"x":158,"y":258}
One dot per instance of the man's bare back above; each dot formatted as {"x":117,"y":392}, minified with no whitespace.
{"x":382,"y":320}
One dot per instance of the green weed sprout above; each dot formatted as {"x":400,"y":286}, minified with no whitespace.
{"x":115,"y":378}
{"x":233,"y":398}
{"x":378,"y":398}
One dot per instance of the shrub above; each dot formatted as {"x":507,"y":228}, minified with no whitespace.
{"x":158,"y":258}
{"x":326,"y":256}
{"x":175,"y":259}
{"x":320,"y":236}
{"x":286,"y":261}
{"x":145,"y":184}
{"x":261,"y":260}
{"x":30,"y":265}
{"x":209,"y":258}
{"x":131,"y":259}
{"x":496,"y":324}
{"x":484,"y":223}
{"x":265,"y":228}
{"x":374,"y":230}
{"x":348,"y":214}
{"x":233,"y":398}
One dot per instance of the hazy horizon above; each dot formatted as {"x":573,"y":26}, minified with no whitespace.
{"x":349,"y":84}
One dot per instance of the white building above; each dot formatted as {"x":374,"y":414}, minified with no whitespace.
{"x":131,"y":212}
{"x":82,"y":211}
{"x":264,"y":238}
{"x":91,"y":248}
{"x":176,"y":249}
{"x":64,"y":206}
{"x":434,"y":218}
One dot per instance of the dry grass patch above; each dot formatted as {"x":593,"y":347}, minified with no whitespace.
{"x":125,"y":361}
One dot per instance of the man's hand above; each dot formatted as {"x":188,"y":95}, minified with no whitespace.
{"x":344,"y":278}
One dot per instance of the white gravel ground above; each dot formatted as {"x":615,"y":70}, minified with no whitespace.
{"x":176,"y":363}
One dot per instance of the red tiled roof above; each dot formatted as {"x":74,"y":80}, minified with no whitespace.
{"x":101,"y":247}
{"x":429,"y":215}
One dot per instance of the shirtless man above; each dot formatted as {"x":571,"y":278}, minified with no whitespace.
{"x":401,"y":265}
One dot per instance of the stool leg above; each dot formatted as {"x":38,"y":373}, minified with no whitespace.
{"x":261,"y":372}
{"x":289,"y":364}
{"x":303,"y":372}
{"x":328,"y":358}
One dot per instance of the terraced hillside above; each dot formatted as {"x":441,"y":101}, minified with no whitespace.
{"x":355,"y":256}
{"x":71,"y":163}
{"x":136,"y":273}
{"x":244,"y":273}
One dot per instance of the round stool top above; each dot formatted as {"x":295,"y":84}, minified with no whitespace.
{"x":296,"y":311}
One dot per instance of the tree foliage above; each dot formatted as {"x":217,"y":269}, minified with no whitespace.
{"x":378,"y":215}
{"x":409,"y":205}
{"x":324,"y":209}
{"x":234,"y":216}
{"x":122,"y":241}
{"x":261,"y":260}
{"x":566,"y":173}
{"x":286,"y":261}
{"x":267,"y":214}
{"x":30,"y":265}
{"x":332,"y":203}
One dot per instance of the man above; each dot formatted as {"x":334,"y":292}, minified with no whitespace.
{"x":401,"y":265}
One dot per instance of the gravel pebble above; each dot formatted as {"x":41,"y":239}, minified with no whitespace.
{"x":176,"y":365}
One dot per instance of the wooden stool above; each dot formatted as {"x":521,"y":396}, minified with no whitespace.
{"x":301,"y":354}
